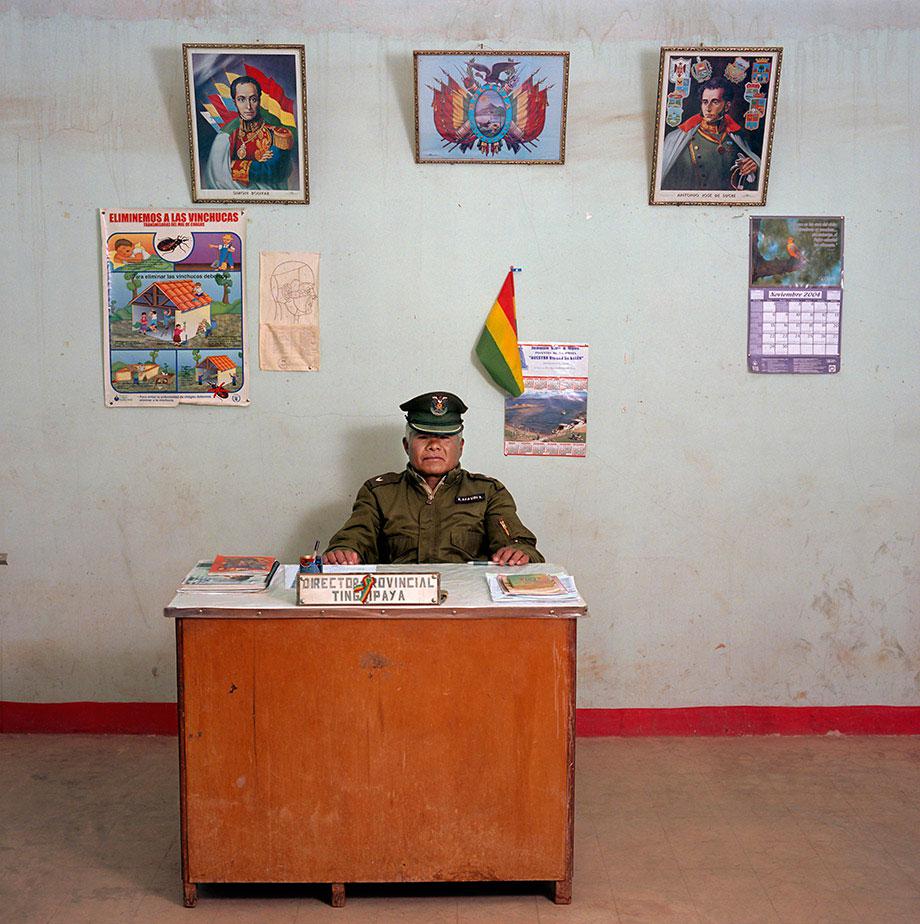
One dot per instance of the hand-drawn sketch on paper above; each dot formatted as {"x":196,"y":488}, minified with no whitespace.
{"x":550,"y":418}
{"x":289,"y":311}
{"x":173,"y":308}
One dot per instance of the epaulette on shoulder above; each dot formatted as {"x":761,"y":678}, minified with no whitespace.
{"x":386,"y":478}
{"x":480,"y":477}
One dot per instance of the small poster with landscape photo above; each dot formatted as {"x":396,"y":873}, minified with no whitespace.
{"x":550,"y":417}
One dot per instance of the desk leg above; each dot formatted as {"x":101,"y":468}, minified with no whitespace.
{"x":189,"y":889}
{"x":562,"y":891}
{"x":338,"y":894}
{"x":562,"y":888}
{"x":190,"y":894}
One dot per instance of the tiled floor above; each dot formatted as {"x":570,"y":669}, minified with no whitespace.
{"x":801,"y":830}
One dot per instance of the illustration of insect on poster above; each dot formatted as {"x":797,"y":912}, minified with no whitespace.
{"x":173,"y":316}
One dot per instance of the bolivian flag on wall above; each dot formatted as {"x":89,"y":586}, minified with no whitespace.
{"x":497,"y":348}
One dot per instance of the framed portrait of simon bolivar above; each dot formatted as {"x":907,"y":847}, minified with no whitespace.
{"x":247,"y":123}
{"x":714,"y":125}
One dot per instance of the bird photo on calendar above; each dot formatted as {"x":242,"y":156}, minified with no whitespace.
{"x":796,"y":251}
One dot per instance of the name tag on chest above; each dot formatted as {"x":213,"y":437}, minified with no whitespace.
{"x":469,"y":499}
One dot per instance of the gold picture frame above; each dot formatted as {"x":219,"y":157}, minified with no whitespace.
{"x":243,"y":161}
{"x":505,"y":107}
{"x":714,"y":123}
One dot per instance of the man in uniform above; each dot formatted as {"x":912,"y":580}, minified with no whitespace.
{"x":252,"y":152}
{"x":433,"y":511}
{"x":707,"y":151}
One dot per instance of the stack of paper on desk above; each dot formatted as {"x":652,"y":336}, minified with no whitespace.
{"x":201,"y":577}
{"x":544,"y":588}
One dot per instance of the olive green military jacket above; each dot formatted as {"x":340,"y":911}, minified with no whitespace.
{"x":396,"y":520}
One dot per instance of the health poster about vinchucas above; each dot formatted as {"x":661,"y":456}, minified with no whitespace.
{"x":174,"y":323}
{"x":550,"y":418}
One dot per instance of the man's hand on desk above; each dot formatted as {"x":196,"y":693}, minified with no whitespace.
{"x":506,"y":555}
{"x":341,"y":557}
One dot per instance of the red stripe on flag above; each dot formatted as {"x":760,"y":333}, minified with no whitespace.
{"x":506,"y":300}
{"x":270,"y":87}
{"x":225,"y":114}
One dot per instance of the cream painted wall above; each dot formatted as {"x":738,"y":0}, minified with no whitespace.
{"x":740,"y":538}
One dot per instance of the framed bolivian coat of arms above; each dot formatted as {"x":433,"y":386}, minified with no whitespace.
{"x":490,"y":108}
{"x":247,"y":123}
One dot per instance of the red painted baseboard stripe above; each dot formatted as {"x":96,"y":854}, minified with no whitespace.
{"x":90,"y":718}
{"x":721,"y":721}
{"x":693,"y":721}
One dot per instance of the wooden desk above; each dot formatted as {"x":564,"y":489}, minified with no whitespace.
{"x":397,"y":744}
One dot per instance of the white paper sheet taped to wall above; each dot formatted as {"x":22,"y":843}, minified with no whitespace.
{"x":288,"y":311}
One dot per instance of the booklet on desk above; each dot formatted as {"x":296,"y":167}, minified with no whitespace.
{"x":535,"y":585}
{"x":202,"y":578}
{"x":541,"y":592}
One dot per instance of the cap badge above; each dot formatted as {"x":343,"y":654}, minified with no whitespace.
{"x":439,"y":405}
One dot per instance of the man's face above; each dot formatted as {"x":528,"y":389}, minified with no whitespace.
{"x":431,"y":454}
{"x":247,"y":101}
{"x":713,"y":104}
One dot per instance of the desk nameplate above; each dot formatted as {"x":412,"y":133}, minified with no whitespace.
{"x":367,"y":589}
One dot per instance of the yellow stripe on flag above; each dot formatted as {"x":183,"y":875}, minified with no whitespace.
{"x":272,"y":106}
{"x":497,"y":347}
{"x":503,"y":334}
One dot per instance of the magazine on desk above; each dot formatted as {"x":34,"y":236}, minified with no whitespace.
{"x":243,"y":564}
{"x":202,"y":578}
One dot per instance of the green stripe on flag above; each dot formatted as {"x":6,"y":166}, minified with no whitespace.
{"x":495,"y":364}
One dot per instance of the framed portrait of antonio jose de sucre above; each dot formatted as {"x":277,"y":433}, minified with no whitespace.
{"x":490,"y":107}
{"x":714,"y":125}
{"x":247,"y":123}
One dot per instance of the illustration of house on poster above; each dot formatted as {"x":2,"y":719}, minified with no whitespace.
{"x":216,"y":370}
{"x":161,"y":306}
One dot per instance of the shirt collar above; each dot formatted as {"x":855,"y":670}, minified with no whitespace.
{"x":449,"y":478}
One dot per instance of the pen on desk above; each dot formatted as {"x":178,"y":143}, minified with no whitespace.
{"x":312,"y":564}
